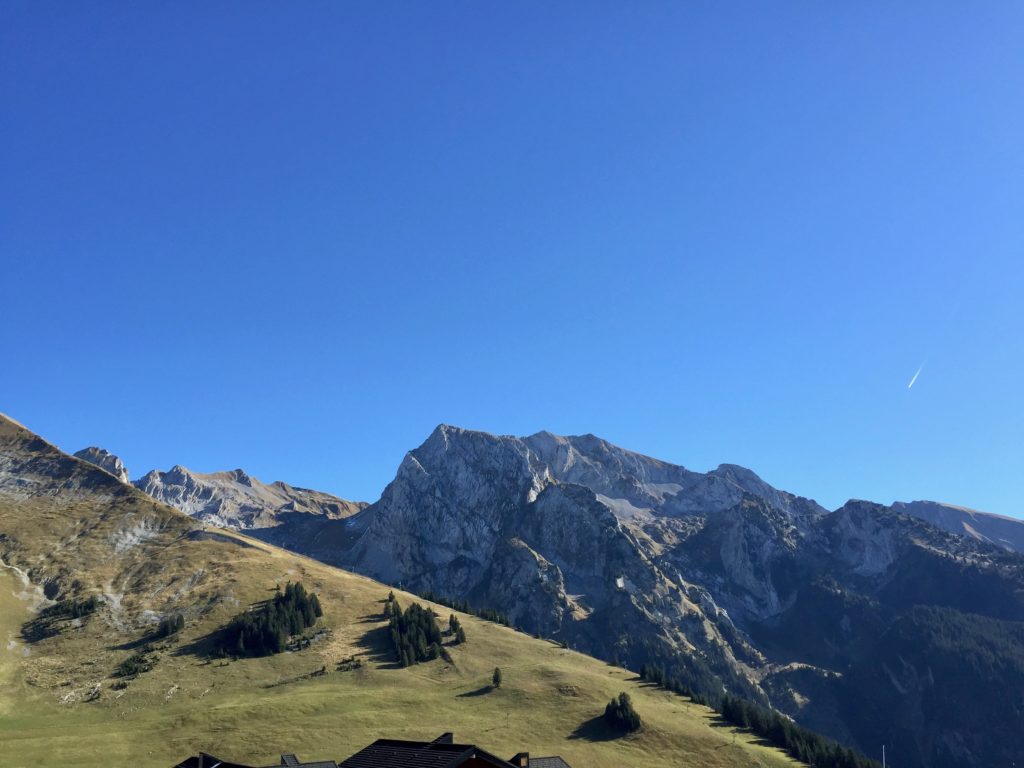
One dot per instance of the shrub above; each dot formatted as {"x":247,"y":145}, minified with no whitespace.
{"x":134,"y":665}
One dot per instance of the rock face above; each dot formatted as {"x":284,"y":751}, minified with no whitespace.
{"x":718,"y":576}
{"x":236,"y":500}
{"x":996,"y":529}
{"x":105,"y":460}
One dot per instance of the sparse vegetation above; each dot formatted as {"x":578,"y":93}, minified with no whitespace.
{"x":351,"y":664}
{"x":135,"y":665}
{"x":50,"y":620}
{"x":456,"y":631}
{"x":620,"y":715}
{"x":266,"y":629}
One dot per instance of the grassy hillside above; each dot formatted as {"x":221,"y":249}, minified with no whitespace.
{"x":73,"y":531}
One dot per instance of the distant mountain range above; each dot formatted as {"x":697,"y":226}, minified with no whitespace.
{"x":236,"y":500}
{"x":868,"y":623}
{"x":91,"y":567}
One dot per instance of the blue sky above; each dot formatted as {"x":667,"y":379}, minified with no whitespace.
{"x":295,"y":237}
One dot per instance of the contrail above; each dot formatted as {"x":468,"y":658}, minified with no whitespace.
{"x":915,"y":376}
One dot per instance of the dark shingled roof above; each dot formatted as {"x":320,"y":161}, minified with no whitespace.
{"x":548,"y":762}
{"x":204,"y":760}
{"x":393,"y":753}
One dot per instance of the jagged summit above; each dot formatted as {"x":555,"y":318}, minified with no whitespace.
{"x":235,"y":499}
{"x":626,"y":556}
{"x":105,"y":460}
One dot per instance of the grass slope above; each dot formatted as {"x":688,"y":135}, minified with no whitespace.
{"x":73,"y":533}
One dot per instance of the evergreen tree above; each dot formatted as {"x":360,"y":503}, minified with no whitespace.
{"x":496,"y":678}
{"x":620,"y":714}
{"x":414,"y":633}
{"x":170,"y":625}
{"x":266,"y":629}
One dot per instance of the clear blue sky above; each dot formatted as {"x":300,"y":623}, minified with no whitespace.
{"x":294,"y":237}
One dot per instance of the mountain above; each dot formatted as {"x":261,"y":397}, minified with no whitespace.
{"x":89,"y":566}
{"x":718,"y":576}
{"x":239,"y":501}
{"x":995,"y":529}
{"x":105,"y":460}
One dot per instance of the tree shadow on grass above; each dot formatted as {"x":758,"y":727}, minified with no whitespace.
{"x":377,"y":645}
{"x":372,"y":618}
{"x":720,"y":722}
{"x":205,"y":647}
{"x":132,"y":645}
{"x":595,"y":729}
{"x":482,"y":691}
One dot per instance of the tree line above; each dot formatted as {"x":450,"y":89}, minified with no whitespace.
{"x":799,"y":742}
{"x":74,"y":608}
{"x":488,"y":614}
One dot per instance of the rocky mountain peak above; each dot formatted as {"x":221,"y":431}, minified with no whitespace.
{"x":105,"y":460}
{"x":235,"y":499}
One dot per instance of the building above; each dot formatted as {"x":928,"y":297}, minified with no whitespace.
{"x":442,"y":752}
{"x":204,"y":760}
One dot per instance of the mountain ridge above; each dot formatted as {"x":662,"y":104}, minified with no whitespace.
{"x":630,"y":557}
{"x":72,"y":534}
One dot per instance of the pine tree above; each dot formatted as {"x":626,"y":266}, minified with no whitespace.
{"x":496,"y":678}
{"x":620,"y":714}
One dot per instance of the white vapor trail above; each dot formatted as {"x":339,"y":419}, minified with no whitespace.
{"x":911,"y":384}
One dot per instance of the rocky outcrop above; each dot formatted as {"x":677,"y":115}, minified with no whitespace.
{"x":719,"y":575}
{"x":105,"y":460}
{"x":236,"y":500}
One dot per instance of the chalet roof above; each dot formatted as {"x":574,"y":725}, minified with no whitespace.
{"x":394,"y":753}
{"x":205,"y":760}
{"x":442,"y":752}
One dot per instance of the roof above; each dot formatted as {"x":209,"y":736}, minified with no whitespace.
{"x":204,"y":760}
{"x":548,"y":762}
{"x":393,"y":753}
